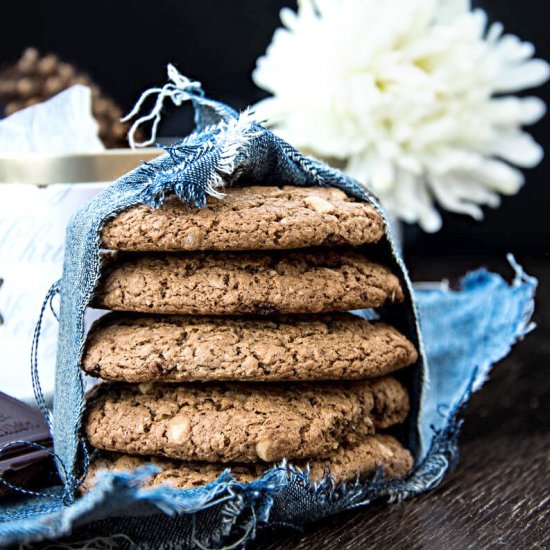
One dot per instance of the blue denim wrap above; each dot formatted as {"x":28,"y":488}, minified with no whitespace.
{"x":460,"y":334}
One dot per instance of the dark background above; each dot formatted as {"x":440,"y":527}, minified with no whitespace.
{"x":125,"y":46}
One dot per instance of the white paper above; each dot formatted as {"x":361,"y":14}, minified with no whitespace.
{"x":63,"y":124}
{"x":32,"y":232}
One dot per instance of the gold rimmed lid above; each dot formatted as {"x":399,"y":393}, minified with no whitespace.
{"x":39,"y":169}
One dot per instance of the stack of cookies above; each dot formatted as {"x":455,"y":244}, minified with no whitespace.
{"x":229,"y":346}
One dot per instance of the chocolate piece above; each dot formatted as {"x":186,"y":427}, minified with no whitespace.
{"x":21,"y":464}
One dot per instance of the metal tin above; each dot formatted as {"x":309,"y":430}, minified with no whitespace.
{"x":40,"y":169}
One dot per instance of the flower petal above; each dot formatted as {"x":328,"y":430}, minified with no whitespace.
{"x":514,"y":49}
{"x":445,"y":191}
{"x":515,"y":111}
{"x":449,"y":10}
{"x":499,"y":176}
{"x":414,"y":203}
{"x":518,"y":148}
{"x":530,"y":74}
{"x":458,"y":192}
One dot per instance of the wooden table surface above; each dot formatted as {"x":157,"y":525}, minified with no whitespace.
{"x":499,"y":494}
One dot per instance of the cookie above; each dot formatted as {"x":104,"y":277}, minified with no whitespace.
{"x":345,"y":464}
{"x":175,"y":473}
{"x":229,"y":422}
{"x":236,"y":422}
{"x":248,"y":218}
{"x":391,"y":402}
{"x":132,"y":348}
{"x":247,"y":283}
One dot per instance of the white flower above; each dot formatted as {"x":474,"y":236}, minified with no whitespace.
{"x":410,"y":96}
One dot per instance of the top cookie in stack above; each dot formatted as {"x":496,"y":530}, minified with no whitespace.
{"x":248,"y":218}
{"x":227,"y":301}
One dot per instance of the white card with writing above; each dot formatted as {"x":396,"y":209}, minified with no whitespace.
{"x":33,"y":221}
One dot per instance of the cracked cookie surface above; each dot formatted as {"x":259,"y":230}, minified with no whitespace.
{"x":258,"y":283}
{"x":233,"y":422}
{"x":248,"y":218}
{"x":138,"y":348}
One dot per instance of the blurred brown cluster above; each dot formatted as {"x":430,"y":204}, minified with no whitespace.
{"x":36,"y":78}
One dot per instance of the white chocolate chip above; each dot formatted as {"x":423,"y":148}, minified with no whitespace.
{"x":385,"y":451}
{"x":192,"y":238}
{"x":262,"y":450}
{"x":145,"y":387}
{"x":140,"y":428}
{"x":319,"y":204}
{"x":203,"y":353}
{"x":250,"y":365}
{"x":267,"y":352}
{"x":216,"y":282}
{"x":179,"y":429}
{"x":338,"y":195}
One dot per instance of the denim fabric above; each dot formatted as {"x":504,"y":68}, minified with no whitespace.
{"x":465,"y":332}
{"x":231,"y":146}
